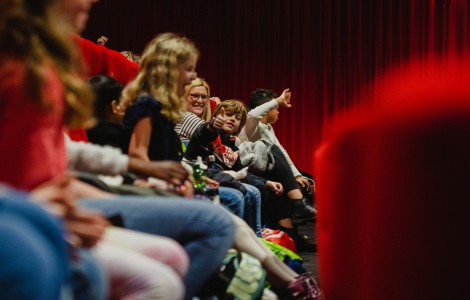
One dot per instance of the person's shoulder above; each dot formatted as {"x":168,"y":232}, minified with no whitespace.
{"x":12,"y":68}
{"x":189,"y":117}
{"x":105,"y":133}
{"x":143,"y":106}
{"x":105,"y":125}
{"x":147,"y":100}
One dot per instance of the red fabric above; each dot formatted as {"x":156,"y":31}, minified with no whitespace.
{"x":213,"y":105}
{"x":78,"y":135}
{"x":32,"y":148}
{"x":279,"y":237}
{"x":225,"y":153}
{"x":102,"y":60}
{"x":393,"y":196}
{"x":324,"y":51}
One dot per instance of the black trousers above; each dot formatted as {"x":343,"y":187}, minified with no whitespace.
{"x":275,"y":208}
{"x":281,"y":172}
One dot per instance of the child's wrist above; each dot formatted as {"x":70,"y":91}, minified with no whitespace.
{"x":211,"y":124}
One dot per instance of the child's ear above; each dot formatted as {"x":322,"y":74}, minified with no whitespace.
{"x":116,"y":108}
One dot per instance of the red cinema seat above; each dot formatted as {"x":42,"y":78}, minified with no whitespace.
{"x":393,"y":188}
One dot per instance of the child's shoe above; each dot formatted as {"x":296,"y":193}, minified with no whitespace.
{"x":304,"y":287}
{"x":302,"y":211}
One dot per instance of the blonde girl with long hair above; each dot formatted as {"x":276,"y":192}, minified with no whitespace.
{"x":154,"y":99}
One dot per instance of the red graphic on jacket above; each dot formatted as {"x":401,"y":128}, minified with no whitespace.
{"x":224,"y":153}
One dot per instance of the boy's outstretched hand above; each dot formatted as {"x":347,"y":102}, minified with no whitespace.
{"x":284,"y":99}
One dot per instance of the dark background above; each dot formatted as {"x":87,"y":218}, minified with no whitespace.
{"x":326,"y":52}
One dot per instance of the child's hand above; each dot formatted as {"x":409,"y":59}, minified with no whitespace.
{"x":212,"y":183}
{"x":303,"y":182}
{"x":170,"y":171}
{"x":85,"y":227}
{"x":218,"y":122}
{"x":284,"y":99}
{"x":102,"y":40}
{"x":55,"y":196}
{"x":186,"y":189}
{"x":275,"y":187}
{"x":238,"y":175}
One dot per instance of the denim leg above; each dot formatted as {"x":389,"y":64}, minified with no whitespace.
{"x":87,"y":279}
{"x":33,"y":253}
{"x":233,"y":200}
{"x":253,"y":208}
{"x":206,"y":231}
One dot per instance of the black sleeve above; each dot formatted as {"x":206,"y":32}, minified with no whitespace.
{"x":200,"y":142}
{"x":204,"y":136}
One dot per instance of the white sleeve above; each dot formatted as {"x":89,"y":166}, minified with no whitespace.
{"x":87,"y":157}
{"x":253,"y":118}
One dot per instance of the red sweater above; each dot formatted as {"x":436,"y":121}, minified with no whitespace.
{"x":101,"y":60}
{"x":32,"y":148}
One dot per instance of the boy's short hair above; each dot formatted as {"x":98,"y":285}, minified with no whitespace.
{"x":233,"y":107}
{"x":261,"y":96}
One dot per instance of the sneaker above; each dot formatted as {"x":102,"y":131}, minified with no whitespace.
{"x":304,"y":287}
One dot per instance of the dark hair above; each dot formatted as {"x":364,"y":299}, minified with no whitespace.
{"x":106,"y":90}
{"x":261,"y":96}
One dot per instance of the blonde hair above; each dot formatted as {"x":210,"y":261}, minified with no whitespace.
{"x":206,"y":115}
{"x":233,"y":107}
{"x":32,"y":31}
{"x":131,"y":56}
{"x":158,"y":73}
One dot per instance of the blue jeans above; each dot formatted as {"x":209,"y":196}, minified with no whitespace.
{"x":35,"y":259}
{"x":33,"y":255}
{"x":87,"y":279}
{"x":233,"y":200}
{"x":206,"y":231}
{"x":253,"y":208}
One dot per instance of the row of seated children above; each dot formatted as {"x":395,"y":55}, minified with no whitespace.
{"x":203,"y":225}
{"x":47,"y":92}
{"x":142,"y":110}
{"x":108,"y":131}
{"x":150,"y":129}
{"x":270,"y":161}
{"x":109,"y":107}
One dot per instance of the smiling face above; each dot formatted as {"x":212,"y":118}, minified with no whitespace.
{"x":232,"y":123}
{"x":234,"y":114}
{"x":197,"y":100}
{"x":76,"y":13}
{"x":187,"y":73}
